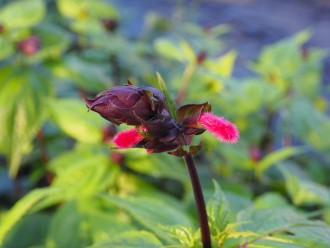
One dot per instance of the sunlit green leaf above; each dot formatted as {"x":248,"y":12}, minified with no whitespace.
{"x":6,"y":47}
{"x":188,"y":51}
{"x":82,"y":173}
{"x":23,"y":109}
{"x":26,"y":230}
{"x":169,"y":49}
{"x":23,"y":13}
{"x":218,"y":210}
{"x":84,"y":74}
{"x":223,"y":65}
{"x":304,"y":191}
{"x":66,"y":229}
{"x":268,"y":220}
{"x":72,"y":117}
{"x":21,"y":208}
{"x":130,"y":240}
{"x":275,"y":157}
{"x":151,"y":213}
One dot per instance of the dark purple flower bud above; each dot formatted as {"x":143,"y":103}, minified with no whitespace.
{"x":110,"y":25}
{"x":128,"y":104}
{"x":30,"y":45}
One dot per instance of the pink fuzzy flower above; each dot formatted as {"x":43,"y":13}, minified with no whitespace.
{"x":221,"y":128}
{"x":128,"y":138}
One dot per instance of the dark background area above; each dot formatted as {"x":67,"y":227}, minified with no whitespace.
{"x":254,"y":23}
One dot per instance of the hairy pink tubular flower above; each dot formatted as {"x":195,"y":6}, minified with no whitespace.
{"x":128,"y":138}
{"x":221,"y":128}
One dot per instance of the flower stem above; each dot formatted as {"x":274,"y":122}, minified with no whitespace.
{"x":199,"y":199}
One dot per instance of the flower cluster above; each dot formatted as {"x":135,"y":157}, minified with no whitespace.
{"x":154,"y":128}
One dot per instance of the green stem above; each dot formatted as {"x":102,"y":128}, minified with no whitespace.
{"x":199,"y":199}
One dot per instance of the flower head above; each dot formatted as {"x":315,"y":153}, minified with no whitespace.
{"x":30,"y":45}
{"x":154,"y":128}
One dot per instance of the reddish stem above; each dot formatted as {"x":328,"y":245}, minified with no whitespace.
{"x":199,"y":199}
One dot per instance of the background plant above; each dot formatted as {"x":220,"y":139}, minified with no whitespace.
{"x":71,"y":190}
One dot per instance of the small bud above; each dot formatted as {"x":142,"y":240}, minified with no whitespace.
{"x":201,"y":57}
{"x":117,"y":157}
{"x":2,"y":28}
{"x":255,"y":153}
{"x":30,"y":45}
{"x":304,"y":52}
{"x":110,"y":25}
{"x":108,"y":132}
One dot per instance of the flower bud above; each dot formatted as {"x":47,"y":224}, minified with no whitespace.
{"x":108,"y":132}
{"x":201,"y":57}
{"x":2,"y":28}
{"x":30,"y":45}
{"x":110,"y":25}
{"x":128,"y":104}
{"x":255,"y":153}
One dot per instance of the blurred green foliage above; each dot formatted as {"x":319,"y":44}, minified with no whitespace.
{"x":269,"y":190}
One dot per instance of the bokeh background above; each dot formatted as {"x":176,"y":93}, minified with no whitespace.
{"x":263,"y":64}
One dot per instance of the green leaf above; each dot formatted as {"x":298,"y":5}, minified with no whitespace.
{"x":185,"y":235}
{"x":223,"y":65}
{"x":280,"y":62}
{"x":23,"y":109}
{"x":21,"y":208}
{"x":303,"y":36}
{"x":73,"y":8}
{"x":130,"y":240}
{"x":275,"y":157}
{"x":6,"y":48}
{"x":22,"y":13}
{"x":308,"y":128}
{"x":102,"y":9}
{"x":72,"y":117}
{"x":218,"y":210}
{"x":188,"y":52}
{"x":156,"y":165}
{"x":304,"y":191}
{"x":82,"y":9}
{"x":267,"y":242}
{"x":169,"y":49}
{"x":82,"y":173}
{"x":105,"y":221}
{"x":169,"y":102}
{"x":311,"y":234}
{"x":54,"y":41}
{"x":268,"y":220}
{"x":152,"y":213}
{"x":85,"y":75}
{"x":270,"y":199}
{"x":66,"y":228}
{"x":26,"y":230}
